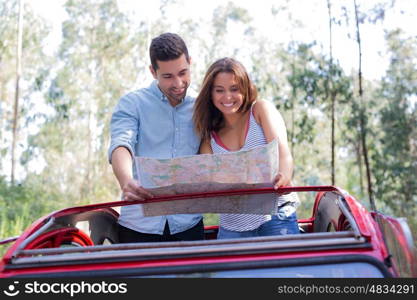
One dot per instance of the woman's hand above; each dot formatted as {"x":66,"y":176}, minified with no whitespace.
{"x":281,"y":180}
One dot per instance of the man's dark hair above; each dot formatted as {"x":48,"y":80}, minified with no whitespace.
{"x":167,"y":46}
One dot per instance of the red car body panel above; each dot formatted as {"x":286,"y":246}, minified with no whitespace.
{"x":357,"y":234}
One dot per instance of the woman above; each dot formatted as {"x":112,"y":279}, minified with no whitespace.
{"x":229,"y":118}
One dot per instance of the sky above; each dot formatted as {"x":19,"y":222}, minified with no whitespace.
{"x":312,"y":13}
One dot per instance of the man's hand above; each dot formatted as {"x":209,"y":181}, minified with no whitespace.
{"x":132,"y":191}
{"x":122,"y":168}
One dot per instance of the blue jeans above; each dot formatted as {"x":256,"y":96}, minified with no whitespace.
{"x":278,"y":225}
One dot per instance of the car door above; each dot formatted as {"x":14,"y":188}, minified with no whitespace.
{"x":399,"y":240}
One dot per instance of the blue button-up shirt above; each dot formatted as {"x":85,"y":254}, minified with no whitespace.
{"x":148,"y":125}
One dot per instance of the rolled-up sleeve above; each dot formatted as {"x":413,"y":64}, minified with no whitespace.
{"x":124,"y":125}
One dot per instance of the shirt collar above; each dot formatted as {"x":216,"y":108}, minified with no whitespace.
{"x":155,"y":89}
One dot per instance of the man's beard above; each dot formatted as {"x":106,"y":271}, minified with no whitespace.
{"x":178,"y":97}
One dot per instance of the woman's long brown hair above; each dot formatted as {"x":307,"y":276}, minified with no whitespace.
{"x":207,"y":117}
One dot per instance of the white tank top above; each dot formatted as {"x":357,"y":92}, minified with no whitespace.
{"x":245,"y":222}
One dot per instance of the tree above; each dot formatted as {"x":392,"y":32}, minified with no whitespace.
{"x":99,"y":62}
{"x":17,"y":90}
{"x":12,"y":130}
{"x":8,"y":21}
{"x":331,"y":94}
{"x":395,"y":162}
{"x":362,"y":113}
{"x":222,"y":16}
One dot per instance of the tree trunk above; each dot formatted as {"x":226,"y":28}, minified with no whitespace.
{"x":2,"y":114}
{"x":332,"y":95}
{"x":292,"y":135}
{"x":362,"y":115}
{"x":358,"y":150}
{"x":17,"y":91}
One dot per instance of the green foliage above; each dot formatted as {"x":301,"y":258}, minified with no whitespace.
{"x":23,"y":204}
{"x":396,"y":156}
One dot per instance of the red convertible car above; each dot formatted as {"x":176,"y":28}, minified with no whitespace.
{"x":340,"y":239}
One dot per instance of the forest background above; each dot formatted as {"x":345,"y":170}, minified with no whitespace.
{"x":342,"y":73}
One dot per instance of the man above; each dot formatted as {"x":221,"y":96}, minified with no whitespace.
{"x":155,"y":122}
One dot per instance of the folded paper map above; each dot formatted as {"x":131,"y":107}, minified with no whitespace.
{"x":254,"y":168}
